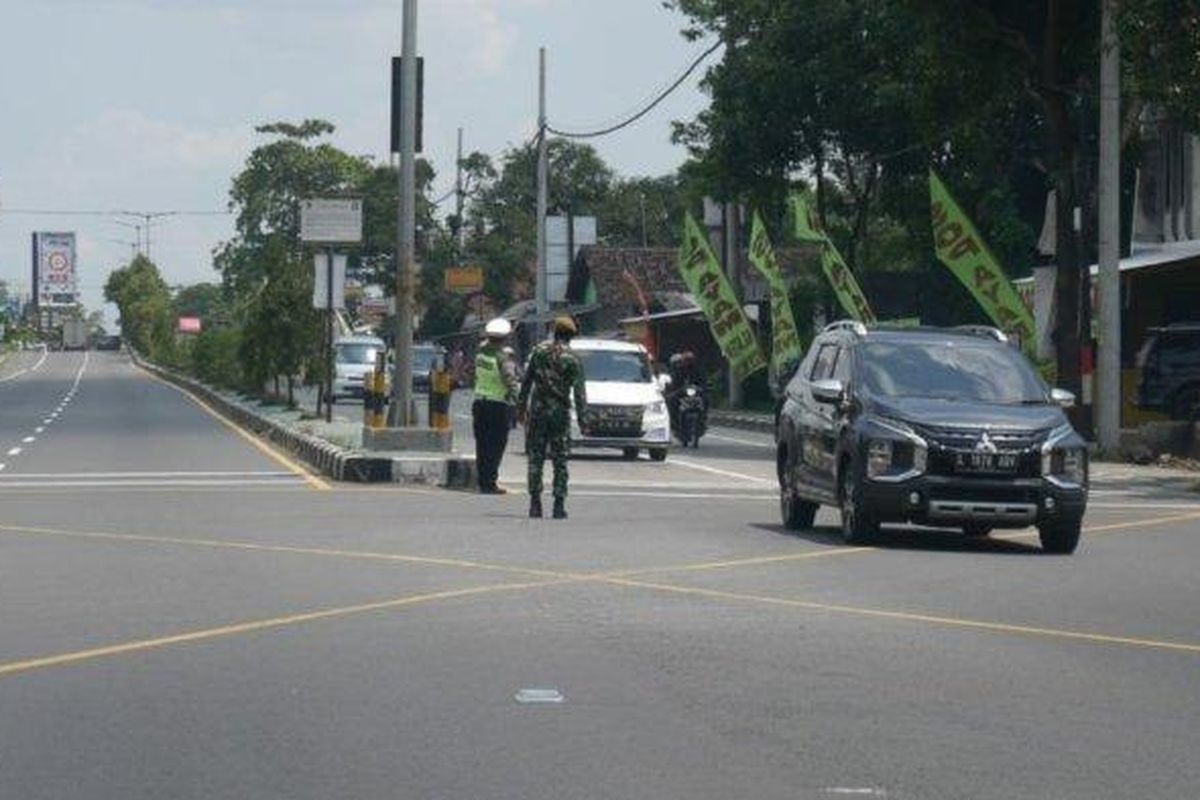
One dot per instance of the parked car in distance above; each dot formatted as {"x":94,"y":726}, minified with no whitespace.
{"x":624,"y":397}
{"x":424,"y":358}
{"x":1170,"y":364}
{"x":354,"y":358}
{"x":940,"y":427}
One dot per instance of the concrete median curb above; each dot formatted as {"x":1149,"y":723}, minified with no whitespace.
{"x":743,"y":420}
{"x":334,"y":461}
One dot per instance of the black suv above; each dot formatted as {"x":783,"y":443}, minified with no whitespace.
{"x":1170,"y":362}
{"x":942,"y":427}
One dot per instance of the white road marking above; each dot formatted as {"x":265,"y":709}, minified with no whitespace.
{"x":16,"y":451}
{"x":20,"y":483}
{"x":29,"y":439}
{"x":2,"y":466}
{"x":724,"y":472}
{"x":39,"y":429}
{"x":151,"y":475}
{"x":34,"y":368}
{"x":671,"y":495}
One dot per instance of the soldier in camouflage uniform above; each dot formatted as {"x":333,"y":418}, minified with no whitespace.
{"x":544,"y":405}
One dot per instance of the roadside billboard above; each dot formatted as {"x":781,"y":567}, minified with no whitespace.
{"x":54,"y":280}
{"x":189,"y":325}
{"x":464,"y":280}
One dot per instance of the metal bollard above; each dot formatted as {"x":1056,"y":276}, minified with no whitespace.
{"x":439,"y":399}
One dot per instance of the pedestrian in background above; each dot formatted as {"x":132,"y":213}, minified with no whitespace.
{"x":554,"y":375}
{"x":495,"y":389}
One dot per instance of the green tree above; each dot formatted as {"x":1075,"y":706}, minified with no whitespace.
{"x":144,"y":302}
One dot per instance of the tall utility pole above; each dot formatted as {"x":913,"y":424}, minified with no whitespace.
{"x":543,"y":301}
{"x":458,"y":199}
{"x":1108,"y":364}
{"x":399,"y":415}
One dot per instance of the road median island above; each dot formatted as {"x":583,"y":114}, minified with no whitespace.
{"x":338,"y":457}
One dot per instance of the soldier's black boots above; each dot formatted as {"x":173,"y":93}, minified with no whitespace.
{"x":560,"y":509}
{"x":535,"y":506}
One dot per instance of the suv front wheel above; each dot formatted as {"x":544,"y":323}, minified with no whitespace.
{"x":858,"y":525}
{"x":1061,"y":536}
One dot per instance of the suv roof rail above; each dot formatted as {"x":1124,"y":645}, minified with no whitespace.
{"x":852,"y":325}
{"x":983,"y":330}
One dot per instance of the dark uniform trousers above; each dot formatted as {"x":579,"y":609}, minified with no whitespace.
{"x":491,"y":438}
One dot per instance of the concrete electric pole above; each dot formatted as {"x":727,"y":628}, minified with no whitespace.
{"x":1108,"y":364}
{"x":543,"y":171}
{"x":399,"y":413}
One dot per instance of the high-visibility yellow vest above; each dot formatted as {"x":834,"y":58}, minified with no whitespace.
{"x":489,"y":381}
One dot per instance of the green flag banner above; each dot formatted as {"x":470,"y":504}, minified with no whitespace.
{"x":702,"y":273}
{"x":849,"y":294}
{"x":961,"y":248}
{"x":785,"y":344}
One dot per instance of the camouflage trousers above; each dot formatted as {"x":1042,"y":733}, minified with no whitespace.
{"x":555,"y":438}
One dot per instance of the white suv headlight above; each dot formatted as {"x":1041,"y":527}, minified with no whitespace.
{"x":656,"y":409}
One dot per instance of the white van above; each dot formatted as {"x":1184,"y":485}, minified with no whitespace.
{"x":624,"y":397}
{"x":353,"y":358}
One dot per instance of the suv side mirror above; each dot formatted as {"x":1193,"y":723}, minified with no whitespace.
{"x":1061,"y":397}
{"x":829,"y":391}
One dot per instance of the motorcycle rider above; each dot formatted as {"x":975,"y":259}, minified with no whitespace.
{"x":684,"y":369}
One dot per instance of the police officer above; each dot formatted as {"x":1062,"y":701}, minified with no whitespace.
{"x":495,"y":389}
{"x":553,"y":377}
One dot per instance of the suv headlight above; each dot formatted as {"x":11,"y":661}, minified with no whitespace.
{"x":896,"y":452}
{"x":1066,"y":465}
{"x":899,"y":460}
{"x":656,"y":409}
{"x":1064,"y":458}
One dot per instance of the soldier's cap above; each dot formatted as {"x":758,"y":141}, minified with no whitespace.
{"x":565,"y":325}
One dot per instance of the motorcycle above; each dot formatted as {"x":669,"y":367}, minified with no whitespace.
{"x":691,"y":417}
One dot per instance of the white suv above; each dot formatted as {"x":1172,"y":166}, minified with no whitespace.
{"x":625,"y":399}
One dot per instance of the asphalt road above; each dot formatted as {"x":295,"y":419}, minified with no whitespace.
{"x":187,"y":616}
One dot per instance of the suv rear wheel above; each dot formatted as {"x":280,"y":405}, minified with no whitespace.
{"x":858,"y":526}
{"x":1061,"y":536}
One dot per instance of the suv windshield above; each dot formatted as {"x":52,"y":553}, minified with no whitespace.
{"x":968,"y":371}
{"x":614,"y":365}
{"x":356,"y":353}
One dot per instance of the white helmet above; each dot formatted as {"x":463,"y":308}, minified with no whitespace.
{"x":499,"y":328}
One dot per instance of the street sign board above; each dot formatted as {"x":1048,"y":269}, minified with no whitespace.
{"x":321,"y":284}
{"x":189,"y":325}
{"x":54,"y":278}
{"x":464,"y":280}
{"x":330,"y":221}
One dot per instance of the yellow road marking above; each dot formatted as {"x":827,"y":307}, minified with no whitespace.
{"x":228,"y":544}
{"x":258,"y":443}
{"x":1118,"y":526}
{"x":62,"y":659}
{"x":956,"y":622}
{"x":745,"y":562}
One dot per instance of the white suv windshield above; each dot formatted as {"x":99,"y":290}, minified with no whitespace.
{"x":614,"y":366}
{"x":356,"y":353}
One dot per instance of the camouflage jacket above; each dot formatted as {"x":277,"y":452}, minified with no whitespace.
{"x":553,"y":376}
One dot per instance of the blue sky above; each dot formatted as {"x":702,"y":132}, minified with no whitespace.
{"x":150,"y":104}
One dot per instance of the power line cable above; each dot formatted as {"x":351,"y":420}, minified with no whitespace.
{"x":647,"y":108}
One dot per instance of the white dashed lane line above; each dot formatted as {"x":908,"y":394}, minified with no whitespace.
{"x":29,"y":439}
{"x":16,"y":451}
